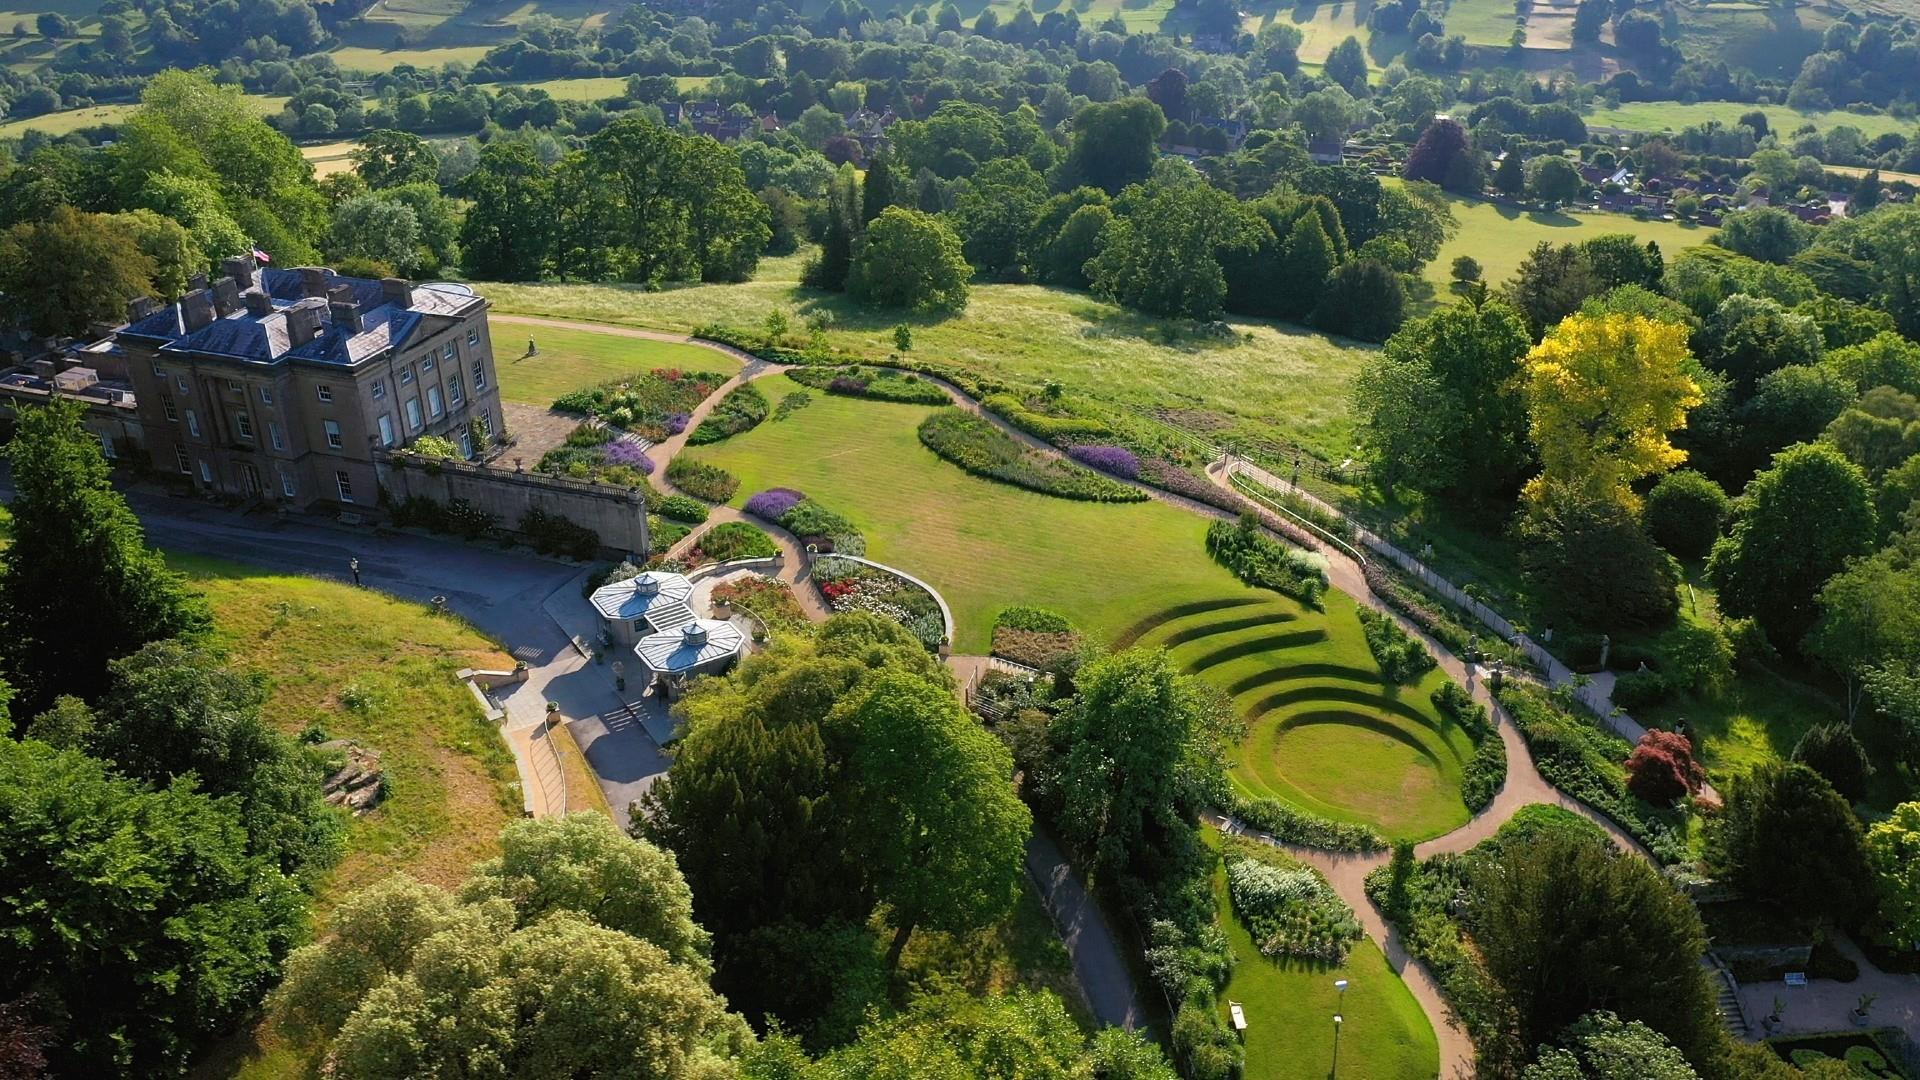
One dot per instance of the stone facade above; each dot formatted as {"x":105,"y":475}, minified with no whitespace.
{"x":283,"y":385}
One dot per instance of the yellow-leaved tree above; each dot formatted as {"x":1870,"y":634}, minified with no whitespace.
{"x":1603,"y":392}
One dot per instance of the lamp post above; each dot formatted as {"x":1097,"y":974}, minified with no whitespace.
{"x":1338,"y":1010}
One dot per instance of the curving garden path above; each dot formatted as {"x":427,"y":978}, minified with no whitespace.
{"x":1346,"y":872}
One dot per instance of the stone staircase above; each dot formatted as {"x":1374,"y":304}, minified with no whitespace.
{"x":1727,"y":1001}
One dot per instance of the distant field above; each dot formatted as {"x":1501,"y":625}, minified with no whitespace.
{"x":1482,"y":22}
{"x":1675,"y":115}
{"x":1500,"y":236}
{"x":330,"y":158}
{"x":71,"y":120}
{"x":1771,"y":41}
{"x":1887,"y":175}
{"x":374,"y":60}
{"x":1325,"y":25}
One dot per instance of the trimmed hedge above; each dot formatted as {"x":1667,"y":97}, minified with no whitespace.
{"x":1264,"y":563}
{"x":1284,"y":822}
{"x":1037,"y":619}
{"x":977,"y":446}
{"x":1486,"y":771}
{"x":703,"y":481}
{"x":741,"y":410}
{"x":1039,"y":424}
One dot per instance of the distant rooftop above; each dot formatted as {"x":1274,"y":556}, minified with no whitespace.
{"x":309,"y":313}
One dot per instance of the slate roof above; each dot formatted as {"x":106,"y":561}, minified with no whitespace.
{"x":265,"y":338}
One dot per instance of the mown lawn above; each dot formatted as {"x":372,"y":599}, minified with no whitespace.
{"x":571,"y":359}
{"x":984,"y":545}
{"x":1289,"y":1005}
{"x":1259,"y":378}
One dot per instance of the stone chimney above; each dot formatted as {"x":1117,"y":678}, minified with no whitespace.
{"x":258,"y":302}
{"x":313,"y":281}
{"x":396,"y":291}
{"x":240,"y":268}
{"x":226,"y":296}
{"x":197,"y":282}
{"x":344,"y":310}
{"x":140,"y":307}
{"x":196,"y":309}
{"x":303,"y":322}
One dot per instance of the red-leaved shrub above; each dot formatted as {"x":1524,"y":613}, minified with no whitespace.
{"x":1661,"y":768}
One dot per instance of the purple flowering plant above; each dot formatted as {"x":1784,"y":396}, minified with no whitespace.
{"x":622,"y":452}
{"x":773,"y":503}
{"x":1114,"y":460}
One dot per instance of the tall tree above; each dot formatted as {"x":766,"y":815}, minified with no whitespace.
{"x":387,"y":159}
{"x":508,"y":231}
{"x":1551,"y":284}
{"x":1567,"y":925}
{"x":943,"y":833}
{"x":1893,"y":852}
{"x":1307,"y":260}
{"x":1796,"y":524}
{"x":1161,"y":253}
{"x":72,"y":270}
{"x":881,"y":188}
{"x":78,"y":586}
{"x":1786,"y":836}
{"x":134,"y":917}
{"x":1435,"y":156}
{"x":1347,"y":66}
{"x":1114,"y":144}
{"x":913,"y":260}
{"x":1603,"y":393}
{"x":828,"y":270}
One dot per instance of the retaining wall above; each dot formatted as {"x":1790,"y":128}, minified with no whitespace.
{"x":617,"y":514}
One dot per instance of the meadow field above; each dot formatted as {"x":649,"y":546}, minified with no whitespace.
{"x":571,"y":359}
{"x":1245,"y":382}
{"x":1500,"y":236}
{"x":1675,"y":115}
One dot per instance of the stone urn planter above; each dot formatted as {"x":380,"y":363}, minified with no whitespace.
{"x":1859,"y":1013}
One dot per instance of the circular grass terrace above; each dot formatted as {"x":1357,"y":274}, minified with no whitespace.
{"x":1325,"y":733}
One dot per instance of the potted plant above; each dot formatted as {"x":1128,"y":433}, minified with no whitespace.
{"x":553,"y":713}
{"x":1859,"y":1014}
{"x":1771,"y":1022}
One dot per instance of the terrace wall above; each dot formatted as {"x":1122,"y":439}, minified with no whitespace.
{"x":617,"y":514}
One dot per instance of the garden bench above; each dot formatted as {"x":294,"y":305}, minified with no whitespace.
{"x":1796,"y":978}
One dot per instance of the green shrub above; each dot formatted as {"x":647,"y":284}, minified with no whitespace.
{"x":682,"y":508}
{"x":792,"y":403}
{"x":1401,"y":656}
{"x":1580,"y":758}
{"x":703,"y":481}
{"x":977,"y":446}
{"x":551,"y":534}
{"x":1264,"y":563}
{"x":1684,"y":513}
{"x":1293,"y":826}
{"x":811,"y":522}
{"x":1041,"y":425}
{"x":736,"y":540}
{"x":662,"y":535}
{"x":1037,"y":619}
{"x":1485,"y":772}
{"x":741,"y":410}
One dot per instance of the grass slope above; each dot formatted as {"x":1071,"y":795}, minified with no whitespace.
{"x":1290,"y":1004}
{"x":1261,"y":377}
{"x":571,"y":359}
{"x":69,"y":121}
{"x":1499,"y":236}
{"x":1324,"y":731}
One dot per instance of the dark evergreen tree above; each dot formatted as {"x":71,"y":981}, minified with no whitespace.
{"x":78,"y":585}
{"x":828,"y":270}
{"x":880,"y":189}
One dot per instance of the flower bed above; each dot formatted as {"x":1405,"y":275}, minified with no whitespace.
{"x":768,"y":599}
{"x":1112,"y":460}
{"x":1034,"y":636}
{"x":879,"y":384}
{"x":741,"y":410}
{"x":815,"y":525}
{"x":852,"y":586}
{"x":681,"y":508}
{"x":983,"y":450}
{"x":1283,"y":822}
{"x":647,"y":405}
{"x":596,"y":452}
{"x":702,"y":481}
{"x":1485,"y":772}
{"x":1034,"y":419}
{"x":791,"y":404}
{"x":1264,"y":563}
{"x":731,"y":540}
{"x":1580,"y":758}
{"x":1289,"y":908}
